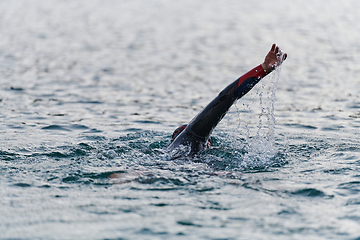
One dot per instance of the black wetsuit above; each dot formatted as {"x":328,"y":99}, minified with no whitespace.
{"x":197,"y":132}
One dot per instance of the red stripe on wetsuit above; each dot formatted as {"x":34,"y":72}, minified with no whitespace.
{"x":257,"y":72}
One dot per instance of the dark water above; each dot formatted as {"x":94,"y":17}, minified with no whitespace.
{"x":91,"y":91}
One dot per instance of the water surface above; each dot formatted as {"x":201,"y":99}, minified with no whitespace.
{"x":91,"y":91}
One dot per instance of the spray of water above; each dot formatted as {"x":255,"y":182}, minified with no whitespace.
{"x":260,"y":148}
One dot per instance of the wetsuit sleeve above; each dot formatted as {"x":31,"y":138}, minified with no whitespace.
{"x":202,"y":125}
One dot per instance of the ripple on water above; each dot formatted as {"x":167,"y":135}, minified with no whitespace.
{"x":351,"y":188}
{"x":56,"y":128}
{"x":23,"y":185}
{"x":8,"y":156}
{"x":302,"y":126}
{"x":353,"y":201}
{"x":309,"y":192}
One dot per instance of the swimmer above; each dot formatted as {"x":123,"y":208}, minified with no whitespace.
{"x":196,"y":134}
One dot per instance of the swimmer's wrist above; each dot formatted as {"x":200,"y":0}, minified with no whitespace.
{"x":266,"y":70}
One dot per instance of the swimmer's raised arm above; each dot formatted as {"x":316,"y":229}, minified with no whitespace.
{"x":274,"y":58}
{"x":197,"y":133}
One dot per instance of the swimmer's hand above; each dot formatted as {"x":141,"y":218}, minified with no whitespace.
{"x":274,"y":58}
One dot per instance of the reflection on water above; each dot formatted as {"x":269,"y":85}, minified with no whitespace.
{"x":91,"y":91}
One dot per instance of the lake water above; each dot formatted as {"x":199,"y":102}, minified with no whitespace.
{"x":91,"y":91}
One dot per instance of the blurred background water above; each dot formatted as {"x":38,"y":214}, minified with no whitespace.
{"x":91,"y":91}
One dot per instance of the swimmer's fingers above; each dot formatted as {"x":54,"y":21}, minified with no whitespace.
{"x":281,"y":57}
{"x":274,"y":58}
{"x":277,"y":50}
{"x":284,"y":56}
{"x":273,"y":47}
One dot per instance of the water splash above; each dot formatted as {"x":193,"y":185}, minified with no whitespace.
{"x":261,"y":149}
